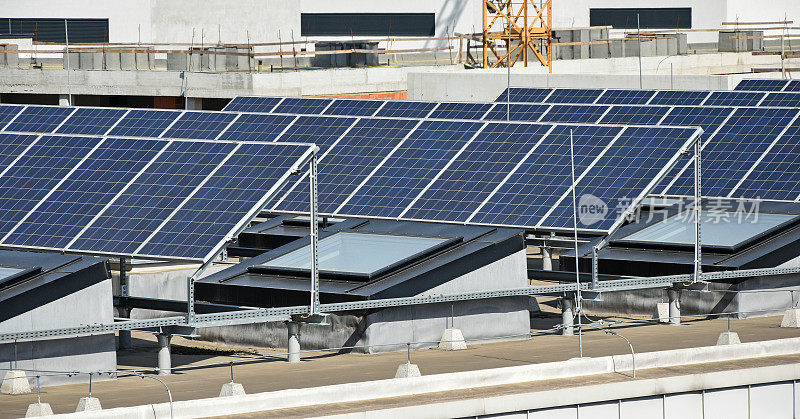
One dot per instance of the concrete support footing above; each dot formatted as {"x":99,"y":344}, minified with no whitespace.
{"x":728,"y":338}
{"x":674,"y":307}
{"x":63,"y":100}
{"x":407,"y":370}
{"x":231,"y":389}
{"x":662,"y":313}
{"x":791,"y":318}
{"x":88,"y":404}
{"x":452,"y":340}
{"x":567,"y":316}
{"x":38,"y":409}
{"x":164,"y":354}
{"x":293,"y":328}
{"x":547,"y":258}
{"x":15,"y":382}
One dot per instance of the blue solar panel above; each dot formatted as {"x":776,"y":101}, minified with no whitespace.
{"x":761,"y":85}
{"x":621,"y":174}
{"x":544,"y":176}
{"x":144,"y":123}
{"x":353,"y":107}
{"x":11,"y":146}
{"x":734,"y":99}
{"x":777,"y":176}
{"x":200,"y":125}
{"x":472,"y":176}
{"x":460,"y":110}
{"x":793,"y":86}
{"x":40,"y":119}
{"x":84,"y":194}
{"x":411,"y":168}
{"x":734,"y":149}
{"x":302,"y":106}
{"x":257,"y":127}
{"x":517,"y":112}
{"x":347,"y":164}
{"x":252,"y":104}
{"x":574,"y":113}
{"x":626,"y":97}
{"x":635,"y":115}
{"x":679,"y":97}
{"x":38,"y":171}
{"x":524,"y":94}
{"x":8,"y":112}
{"x":779,"y":99}
{"x":574,"y":96}
{"x":91,"y":121}
{"x":406,"y":109}
{"x":320,"y":130}
{"x":230,"y":193}
{"x":153,"y":196}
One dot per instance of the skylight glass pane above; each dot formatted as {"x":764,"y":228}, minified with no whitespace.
{"x":357,"y":252}
{"x":6,"y":272}
{"x":718,"y":228}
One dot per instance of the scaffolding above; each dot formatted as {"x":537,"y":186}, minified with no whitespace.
{"x":523,"y":27}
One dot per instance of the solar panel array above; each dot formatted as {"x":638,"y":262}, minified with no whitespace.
{"x":434,"y":170}
{"x":768,"y":85}
{"x":148,"y":198}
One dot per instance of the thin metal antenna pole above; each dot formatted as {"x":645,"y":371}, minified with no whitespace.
{"x":578,"y":303}
{"x":639,"y":36}
{"x":69,"y":84}
{"x":508,"y":73}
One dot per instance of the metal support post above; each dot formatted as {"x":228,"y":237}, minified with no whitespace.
{"x":293,"y":346}
{"x":594,"y":267}
{"x":314,"y":235}
{"x":567,"y":315}
{"x":124,"y":335}
{"x":164,"y":354}
{"x":698,"y":206}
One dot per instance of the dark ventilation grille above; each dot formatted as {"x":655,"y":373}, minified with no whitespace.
{"x":52,"y":30}
{"x":367,"y":24}
{"x":649,"y":18}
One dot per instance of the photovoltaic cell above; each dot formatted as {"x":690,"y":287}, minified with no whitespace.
{"x":635,"y":115}
{"x":257,"y":127}
{"x":679,"y":97}
{"x":761,"y":85}
{"x":302,"y":106}
{"x":780,"y":99}
{"x":411,"y":168}
{"x":585,"y":96}
{"x":544,"y":176}
{"x":252,"y":104}
{"x":144,"y":123}
{"x":12,"y":145}
{"x":734,"y":99}
{"x":523,"y":94}
{"x":40,"y":119}
{"x":518,"y":112}
{"x":7,"y":112}
{"x":406,"y":109}
{"x":460,"y":110}
{"x":472,"y":176}
{"x":793,"y":86}
{"x":574,"y":113}
{"x":353,"y":107}
{"x":200,"y":125}
{"x":321,"y":130}
{"x":625,"y":97}
{"x":91,"y":121}
{"x":777,"y":176}
{"x":64,"y":213}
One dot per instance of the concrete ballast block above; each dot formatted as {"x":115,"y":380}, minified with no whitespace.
{"x":662,"y":312}
{"x":15,"y":382}
{"x":728,"y":338}
{"x":452,"y":340}
{"x":407,"y":370}
{"x":87,"y":404}
{"x":38,"y":409}
{"x":791,"y":318}
{"x":231,"y":389}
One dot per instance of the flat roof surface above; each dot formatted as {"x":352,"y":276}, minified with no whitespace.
{"x":325,"y":368}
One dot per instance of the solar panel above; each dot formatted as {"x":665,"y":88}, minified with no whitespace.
{"x":91,"y":121}
{"x":421,"y":157}
{"x":406,"y":109}
{"x":524,"y":94}
{"x":574,"y":95}
{"x":574,"y":113}
{"x":257,"y":127}
{"x":144,"y":123}
{"x":460,"y":110}
{"x":679,"y":97}
{"x":199,"y":125}
{"x":761,"y":85}
{"x":353,"y":107}
{"x":473,"y":175}
{"x":251,"y":104}
{"x":40,"y":119}
{"x":12,"y":146}
{"x":321,"y":130}
{"x":635,"y":115}
{"x":7,"y":113}
{"x":793,"y":86}
{"x":734,"y":99}
{"x":777,"y":176}
{"x":779,"y":99}
{"x":626,"y":97}
{"x":302,"y":106}
{"x":517,"y":112}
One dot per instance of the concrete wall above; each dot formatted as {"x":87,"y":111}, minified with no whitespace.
{"x":88,"y":353}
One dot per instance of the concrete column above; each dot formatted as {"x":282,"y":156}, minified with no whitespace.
{"x":164,"y":354}
{"x":63,"y":100}
{"x":124,"y":338}
{"x":547,"y":258}
{"x":293,"y":328}
{"x":674,"y":306}
{"x":194,"y":103}
{"x":567,"y":315}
